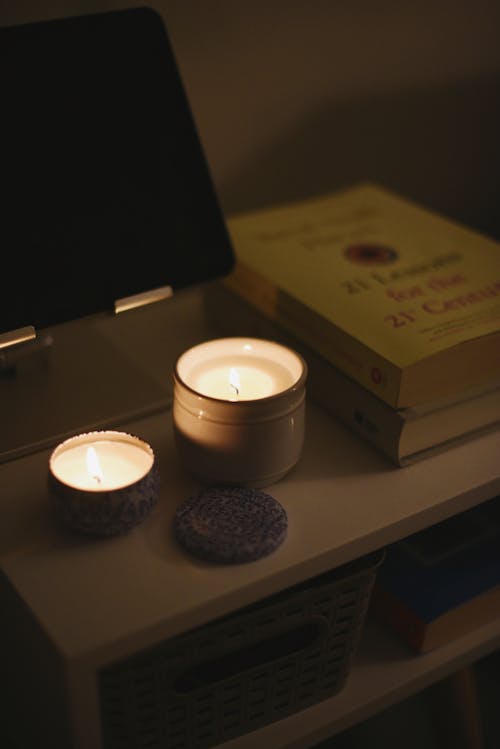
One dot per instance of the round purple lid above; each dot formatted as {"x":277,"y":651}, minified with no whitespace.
{"x":230,"y":525}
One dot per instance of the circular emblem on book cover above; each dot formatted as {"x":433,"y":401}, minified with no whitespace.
{"x":370,"y":254}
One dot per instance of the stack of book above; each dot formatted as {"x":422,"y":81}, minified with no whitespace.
{"x":443,"y":582}
{"x":395,"y":308}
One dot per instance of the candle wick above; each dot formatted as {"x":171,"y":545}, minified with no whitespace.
{"x":236,"y":390}
{"x":97,"y":478}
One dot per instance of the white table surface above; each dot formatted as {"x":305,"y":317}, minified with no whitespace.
{"x":99,"y":600}
{"x":343,"y":500}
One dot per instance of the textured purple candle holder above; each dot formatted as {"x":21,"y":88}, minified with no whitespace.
{"x":104,"y":510}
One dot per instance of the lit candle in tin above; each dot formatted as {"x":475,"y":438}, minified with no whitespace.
{"x":104,"y":482}
{"x":239,"y":410}
{"x":101,"y":462}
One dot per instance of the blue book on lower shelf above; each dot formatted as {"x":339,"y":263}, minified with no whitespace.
{"x":443,"y":582}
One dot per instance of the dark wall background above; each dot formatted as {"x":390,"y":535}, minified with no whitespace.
{"x":293,"y":98}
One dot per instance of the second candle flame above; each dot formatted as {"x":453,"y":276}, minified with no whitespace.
{"x":93,"y":466}
{"x":234,"y":381}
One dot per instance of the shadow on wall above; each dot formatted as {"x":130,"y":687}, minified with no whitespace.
{"x":437,"y":145}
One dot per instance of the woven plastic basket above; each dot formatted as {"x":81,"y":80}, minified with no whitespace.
{"x":243,"y":671}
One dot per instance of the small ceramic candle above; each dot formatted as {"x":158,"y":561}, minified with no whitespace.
{"x":239,"y":410}
{"x":103,"y":483}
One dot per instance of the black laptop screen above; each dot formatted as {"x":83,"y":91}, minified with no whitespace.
{"x":104,"y":187}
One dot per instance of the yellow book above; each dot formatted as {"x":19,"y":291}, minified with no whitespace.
{"x":403,"y":300}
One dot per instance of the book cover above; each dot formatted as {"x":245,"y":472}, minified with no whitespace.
{"x":404,"y":435}
{"x":402,"y":300}
{"x":443,"y":582}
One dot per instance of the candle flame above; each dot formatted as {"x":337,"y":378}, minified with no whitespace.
{"x":93,"y":465}
{"x":234,"y":381}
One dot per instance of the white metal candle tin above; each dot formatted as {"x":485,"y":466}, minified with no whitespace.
{"x":239,"y":410}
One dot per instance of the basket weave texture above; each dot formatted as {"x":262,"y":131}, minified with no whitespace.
{"x":243,"y":671}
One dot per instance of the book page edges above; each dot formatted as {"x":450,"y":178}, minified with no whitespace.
{"x":449,"y":371}
{"x":458,"y":420}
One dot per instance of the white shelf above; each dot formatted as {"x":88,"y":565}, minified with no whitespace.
{"x":343,"y":501}
{"x":100,"y":600}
